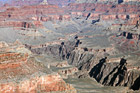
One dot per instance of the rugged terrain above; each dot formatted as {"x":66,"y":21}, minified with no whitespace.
{"x":21,"y":73}
{"x":84,"y":46}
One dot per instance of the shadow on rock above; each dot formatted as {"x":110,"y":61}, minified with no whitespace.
{"x":136,"y":85}
{"x":96,"y":69}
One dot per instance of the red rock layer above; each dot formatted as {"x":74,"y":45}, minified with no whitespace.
{"x":12,"y":60}
{"x":34,"y":15}
{"x":31,"y":77}
{"x":49,"y":83}
{"x":127,"y":41}
{"x":104,"y":11}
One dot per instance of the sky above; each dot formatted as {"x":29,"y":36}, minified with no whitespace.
{"x":4,"y":0}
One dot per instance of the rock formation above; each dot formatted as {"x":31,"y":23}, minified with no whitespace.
{"x":20,"y":73}
{"x":97,"y":39}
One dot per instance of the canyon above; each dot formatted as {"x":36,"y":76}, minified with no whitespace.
{"x":70,"y":46}
{"x":21,"y":73}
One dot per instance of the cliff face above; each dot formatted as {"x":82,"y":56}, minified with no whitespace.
{"x":61,"y":51}
{"x":107,"y":71}
{"x":116,"y":74}
{"x":19,"y":73}
{"x":110,"y":73}
{"x":89,"y":61}
{"x":82,"y":60}
{"x":127,"y":41}
{"x":34,"y":16}
{"x":50,"y":83}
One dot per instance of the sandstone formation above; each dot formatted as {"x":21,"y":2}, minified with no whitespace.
{"x":20,"y":73}
{"x":50,"y":83}
{"x":33,"y":16}
{"x":97,"y":39}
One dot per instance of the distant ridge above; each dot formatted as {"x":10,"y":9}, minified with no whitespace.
{"x":44,"y":2}
{"x":37,"y":2}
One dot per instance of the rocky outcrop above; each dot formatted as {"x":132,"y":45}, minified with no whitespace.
{"x":21,"y":24}
{"x":36,"y":14}
{"x":61,"y":51}
{"x":82,"y":60}
{"x":105,"y":11}
{"x":12,"y":60}
{"x":3,"y":44}
{"x":115,"y":74}
{"x":127,"y":41}
{"x":49,"y":83}
{"x":19,"y":73}
{"x":53,"y":12}
{"x":90,"y":62}
{"x":15,"y":24}
{"x":108,"y":71}
{"x":67,"y":72}
{"x":109,"y":74}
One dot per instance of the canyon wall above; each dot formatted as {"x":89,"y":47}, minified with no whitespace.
{"x":21,"y":73}
{"x":33,"y":16}
{"x":90,"y":62}
{"x":48,"y":83}
{"x":107,"y":71}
